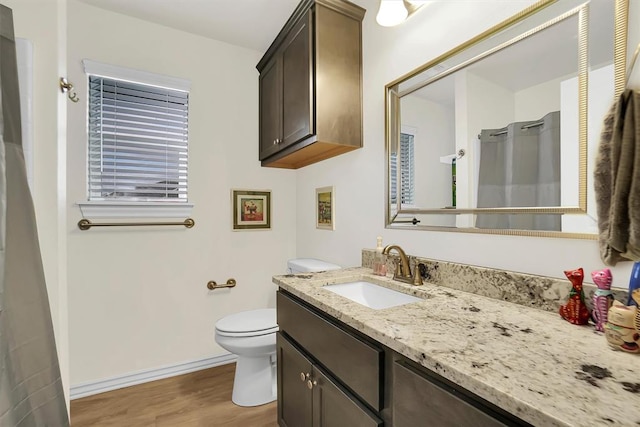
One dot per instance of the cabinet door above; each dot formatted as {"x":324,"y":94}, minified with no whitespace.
{"x":297,"y":81}
{"x":358,"y":364}
{"x":419,"y":400}
{"x":294,"y":397}
{"x":334,"y":407}
{"x":270,"y":107}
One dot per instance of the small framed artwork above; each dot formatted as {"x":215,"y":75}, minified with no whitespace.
{"x":325,"y":208}
{"x":251,"y":209}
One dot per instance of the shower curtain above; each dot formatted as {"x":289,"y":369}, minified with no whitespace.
{"x":31,"y":393}
{"x":520,"y":167}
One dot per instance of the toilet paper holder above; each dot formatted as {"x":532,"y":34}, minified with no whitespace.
{"x":212,"y":285}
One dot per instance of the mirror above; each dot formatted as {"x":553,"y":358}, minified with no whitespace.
{"x":499,"y":135}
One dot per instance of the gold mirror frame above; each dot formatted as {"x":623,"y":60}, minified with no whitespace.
{"x":392,"y":124}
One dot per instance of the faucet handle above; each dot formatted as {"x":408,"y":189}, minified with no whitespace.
{"x":417,"y":277}
{"x":417,"y":274}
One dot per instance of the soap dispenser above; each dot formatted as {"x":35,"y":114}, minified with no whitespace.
{"x":379,"y":262}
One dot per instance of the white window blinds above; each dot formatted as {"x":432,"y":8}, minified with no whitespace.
{"x":406,"y":171}
{"x":138,"y":141}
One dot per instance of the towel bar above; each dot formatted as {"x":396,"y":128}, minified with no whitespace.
{"x":212,"y":285}
{"x":413,"y":221}
{"x":85,"y":224}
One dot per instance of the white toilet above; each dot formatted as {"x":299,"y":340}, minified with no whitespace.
{"x":251,"y":335}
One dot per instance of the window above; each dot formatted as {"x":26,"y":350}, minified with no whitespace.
{"x":137,"y":143}
{"x":406,"y":171}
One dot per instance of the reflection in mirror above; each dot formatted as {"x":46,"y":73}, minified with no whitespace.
{"x":515,"y":105}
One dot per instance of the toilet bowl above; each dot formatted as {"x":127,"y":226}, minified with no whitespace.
{"x":251,"y":335}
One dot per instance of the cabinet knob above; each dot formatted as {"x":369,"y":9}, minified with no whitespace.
{"x":311,"y":384}
{"x":304,"y":377}
{"x":275,"y":142}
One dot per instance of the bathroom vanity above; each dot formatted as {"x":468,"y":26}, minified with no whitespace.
{"x":331,"y":375}
{"x":452,"y":359}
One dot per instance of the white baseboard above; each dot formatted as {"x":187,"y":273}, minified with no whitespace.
{"x":148,"y":375}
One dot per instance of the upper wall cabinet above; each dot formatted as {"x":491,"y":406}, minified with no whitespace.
{"x":311,"y":86}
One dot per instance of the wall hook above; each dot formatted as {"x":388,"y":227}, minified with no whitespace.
{"x":66,"y":86}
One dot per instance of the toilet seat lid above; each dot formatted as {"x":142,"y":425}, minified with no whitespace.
{"x":259,"y":321}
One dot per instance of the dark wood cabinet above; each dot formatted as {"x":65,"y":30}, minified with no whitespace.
{"x":285,"y":109}
{"x":297,"y":84}
{"x":357,"y":363}
{"x":331,"y":375}
{"x":310,"y":86}
{"x":419,"y":394}
{"x":335,"y":407}
{"x":294,"y":399}
{"x":270,"y":104}
{"x":307,"y":396}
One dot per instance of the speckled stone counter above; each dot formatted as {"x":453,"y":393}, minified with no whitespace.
{"x":545,"y":293}
{"x":528,"y":361}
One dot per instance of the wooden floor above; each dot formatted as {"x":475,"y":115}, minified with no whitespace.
{"x":200,"y":399}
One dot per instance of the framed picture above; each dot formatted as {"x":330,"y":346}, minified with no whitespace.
{"x":251,"y":209}
{"x":325,"y":208}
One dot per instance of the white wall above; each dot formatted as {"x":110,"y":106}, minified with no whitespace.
{"x":536,"y":101}
{"x":434,"y":138}
{"x":388,"y":54}
{"x":570,"y":148}
{"x":43,"y":24}
{"x":601,"y":88}
{"x":138,"y":297}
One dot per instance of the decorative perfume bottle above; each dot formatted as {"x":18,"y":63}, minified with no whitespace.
{"x":602,"y":298}
{"x":575,"y":310}
{"x":379,"y":262}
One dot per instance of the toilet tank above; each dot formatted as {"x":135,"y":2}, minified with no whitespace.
{"x":309,"y":265}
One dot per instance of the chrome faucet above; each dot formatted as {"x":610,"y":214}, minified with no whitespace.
{"x":403,"y":270}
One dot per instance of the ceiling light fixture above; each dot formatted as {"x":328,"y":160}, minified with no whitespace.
{"x":394,"y":12}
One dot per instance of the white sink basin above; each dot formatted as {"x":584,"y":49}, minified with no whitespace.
{"x":370,"y":295}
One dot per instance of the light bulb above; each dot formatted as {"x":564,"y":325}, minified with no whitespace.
{"x":391,"y":12}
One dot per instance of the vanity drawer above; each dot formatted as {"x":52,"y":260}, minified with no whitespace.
{"x":420,"y":394}
{"x":355,"y":363}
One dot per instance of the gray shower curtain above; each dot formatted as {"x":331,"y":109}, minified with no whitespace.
{"x":520,"y":167}
{"x":31,"y":393}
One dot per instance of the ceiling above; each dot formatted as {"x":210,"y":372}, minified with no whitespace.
{"x":248,"y":23}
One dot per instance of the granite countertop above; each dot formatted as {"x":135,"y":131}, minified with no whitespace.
{"x":527,"y":361}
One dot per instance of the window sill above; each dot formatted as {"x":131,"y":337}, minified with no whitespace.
{"x":100,"y":209}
